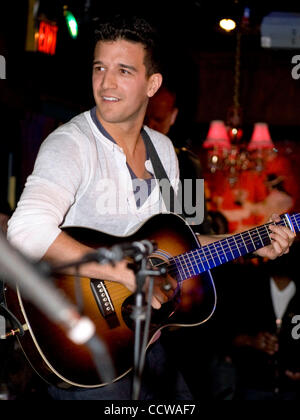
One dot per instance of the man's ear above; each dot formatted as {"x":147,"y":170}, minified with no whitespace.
{"x":155,"y":82}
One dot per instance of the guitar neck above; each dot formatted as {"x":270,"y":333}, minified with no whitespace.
{"x":217,"y":253}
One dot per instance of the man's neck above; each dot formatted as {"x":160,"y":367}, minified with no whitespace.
{"x":127,"y":135}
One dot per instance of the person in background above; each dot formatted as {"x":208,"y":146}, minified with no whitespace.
{"x":161,"y":115}
{"x":258,"y":331}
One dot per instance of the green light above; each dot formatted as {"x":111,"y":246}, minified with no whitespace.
{"x":72,"y":24}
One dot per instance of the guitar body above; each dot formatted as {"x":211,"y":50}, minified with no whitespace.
{"x":62,"y":363}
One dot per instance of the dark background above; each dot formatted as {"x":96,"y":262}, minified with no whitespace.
{"x":199,"y":59}
{"x":43,"y":91}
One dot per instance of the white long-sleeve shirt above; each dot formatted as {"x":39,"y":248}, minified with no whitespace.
{"x":81,"y":178}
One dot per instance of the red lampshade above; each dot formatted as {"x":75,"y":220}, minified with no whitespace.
{"x":217,"y":136}
{"x":261,"y":138}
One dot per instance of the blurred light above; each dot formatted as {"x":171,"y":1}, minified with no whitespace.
{"x":217,"y":136}
{"x":228,"y":25}
{"x":261,"y":138}
{"x":46,"y":38}
{"x":71,"y":22}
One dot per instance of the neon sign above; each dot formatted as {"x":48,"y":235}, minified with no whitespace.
{"x":47,"y":37}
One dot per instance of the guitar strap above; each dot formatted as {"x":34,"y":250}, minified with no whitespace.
{"x":170,"y":199}
{"x":168,"y":195}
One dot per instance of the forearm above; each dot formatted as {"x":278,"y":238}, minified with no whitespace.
{"x":65,"y":250}
{"x":209,"y":239}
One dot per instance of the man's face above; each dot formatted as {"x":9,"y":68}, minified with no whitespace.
{"x":120,"y":84}
{"x":161,"y":112}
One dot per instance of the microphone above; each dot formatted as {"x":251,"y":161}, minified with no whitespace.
{"x":16,"y":268}
{"x":136,"y":250}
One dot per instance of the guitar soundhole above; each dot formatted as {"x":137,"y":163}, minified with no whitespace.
{"x":158,"y":316}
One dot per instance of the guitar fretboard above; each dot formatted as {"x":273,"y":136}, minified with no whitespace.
{"x":203,"y":259}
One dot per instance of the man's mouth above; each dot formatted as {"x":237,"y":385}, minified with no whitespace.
{"x":110,"y":99}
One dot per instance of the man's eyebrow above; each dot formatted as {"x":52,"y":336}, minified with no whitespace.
{"x":127,"y":66}
{"x":121,"y":65}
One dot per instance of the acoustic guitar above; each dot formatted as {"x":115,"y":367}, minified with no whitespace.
{"x":109,"y":305}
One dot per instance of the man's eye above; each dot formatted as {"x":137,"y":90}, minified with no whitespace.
{"x":98,"y":68}
{"x":124,"y":71}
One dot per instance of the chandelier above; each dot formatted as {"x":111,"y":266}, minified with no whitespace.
{"x":228,"y":154}
{"x":227,"y":149}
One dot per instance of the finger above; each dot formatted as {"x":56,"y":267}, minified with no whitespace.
{"x":275,"y":218}
{"x":159,"y":294}
{"x":155,"y":303}
{"x":284,"y":232}
{"x":281,"y":231}
{"x":280,"y":241}
{"x":275,"y":250}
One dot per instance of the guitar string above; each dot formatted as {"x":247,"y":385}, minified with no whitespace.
{"x":226,"y":249}
{"x":237,"y":240}
{"x":228,"y":246}
{"x":229,"y":249}
{"x":203,"y":258}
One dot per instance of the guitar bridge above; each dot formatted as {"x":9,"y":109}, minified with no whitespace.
{"x":104,"y":302}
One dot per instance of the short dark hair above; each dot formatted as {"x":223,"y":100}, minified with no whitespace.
{"x":133,"y":29}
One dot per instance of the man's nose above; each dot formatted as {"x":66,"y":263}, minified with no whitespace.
{"x":109,"y":80}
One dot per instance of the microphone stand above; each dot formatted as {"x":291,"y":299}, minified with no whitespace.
{"x":19,"y":271}
{"x":140,"y":314}
{"x":139,"y":252}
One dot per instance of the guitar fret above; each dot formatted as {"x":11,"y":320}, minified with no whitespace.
{"x":268,"y":239}
{"x":229,"y":247}
{"x":191,"y":263}
{"x":259,"y":237}
{"x":224,"y":251}
{"x":237,"y":245}
{"x":198,"y":253}
{"x":221,"y":255}
{"x":204,"y":259}
{"x":241,"y":244}
{"x":214,"y":244}
{"x":178,"y":270}
{"x":244,"y":242}
{"x":250,"y":236}
{"x":234,"y":247}
{"x":211,"y":256}
{"x":268,"y":232}
{"x":185,"y":268}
